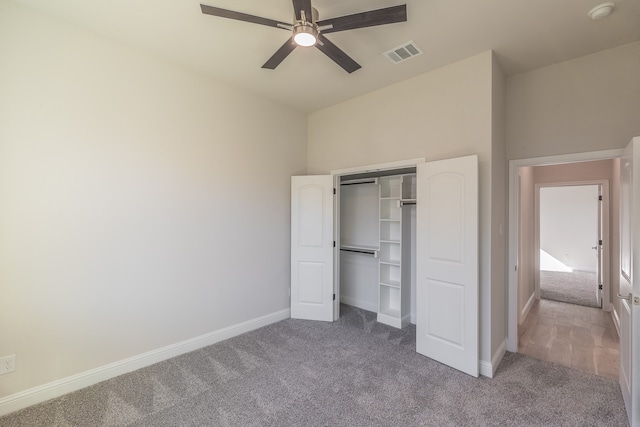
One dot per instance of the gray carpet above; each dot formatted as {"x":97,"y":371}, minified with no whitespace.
{"x":578,"y":287}
{"x":354,"y":372}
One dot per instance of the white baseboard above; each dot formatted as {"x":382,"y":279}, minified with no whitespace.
{"x":527,"y":308}
{"x":616,"y":320}
{"x":488,"y":369}
{"x":359,"y":303}
{"x":75,"y":382}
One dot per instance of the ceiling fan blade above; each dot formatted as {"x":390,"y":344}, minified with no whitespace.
{"x":299,"y":5}
{"x":280,"y":55}
{"x":239,"y":16}
{"x":388,"y":15}
{"x":337,"y":55}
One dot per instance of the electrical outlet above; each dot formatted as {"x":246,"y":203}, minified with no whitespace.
{"x":7,"y":364}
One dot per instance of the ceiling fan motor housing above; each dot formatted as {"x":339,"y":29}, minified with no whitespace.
{"x":314,"y":16}
{"x":305,"y":32}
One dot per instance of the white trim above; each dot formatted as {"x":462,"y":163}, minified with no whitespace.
{"x":488,"y":369}
{"x":527,"y":308}
{"x":379,"y":167}
{"x":616,"y":320}
{"x":75,"y":382}
{"x":514,"y":165}
{"x":359,"y":304}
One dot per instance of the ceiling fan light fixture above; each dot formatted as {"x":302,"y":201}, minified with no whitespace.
{"x":305,"y":34}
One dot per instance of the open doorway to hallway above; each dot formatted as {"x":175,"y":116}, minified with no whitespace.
{"x":577,"y":336}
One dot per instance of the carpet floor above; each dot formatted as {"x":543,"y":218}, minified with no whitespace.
{"x":354,"y":372}
{"x":577,"y":287}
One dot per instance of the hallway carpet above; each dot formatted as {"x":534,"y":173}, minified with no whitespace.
{"x":577,"y":287}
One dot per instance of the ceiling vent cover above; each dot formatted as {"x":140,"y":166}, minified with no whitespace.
{"x":403,"y":52}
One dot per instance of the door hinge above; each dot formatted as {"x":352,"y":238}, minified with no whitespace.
{"x":334,"y":297}
{"x":334,"y":243}
{"x":334,"y":191}
{"x":600,"y":242}
{"x":600,"y":198}
{"x":600,"y":287}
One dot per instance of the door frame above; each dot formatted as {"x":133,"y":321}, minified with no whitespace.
{"x":605,"y":251}
{"x":514,"y":241}
{"x":337,"y":174}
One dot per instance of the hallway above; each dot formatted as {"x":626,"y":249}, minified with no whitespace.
{"x":582,"y":338}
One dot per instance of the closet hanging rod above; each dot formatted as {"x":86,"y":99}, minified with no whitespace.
{"x":359,"y":251}
{"x":408,"y":202}
{"x":360,"y":181}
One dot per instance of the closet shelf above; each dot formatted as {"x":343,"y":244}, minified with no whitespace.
{"x":391,"y":283}
{"x":390,"y":241}
{"x":390,"y":262}
{"x":389,"y":220}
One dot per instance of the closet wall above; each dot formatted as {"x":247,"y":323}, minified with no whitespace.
{"x":359,"y":231}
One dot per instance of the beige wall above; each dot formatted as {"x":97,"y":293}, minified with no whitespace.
{"x":499,"y":186}
{"x":585,"y":104}
{"x":526,"y":262}
{"x":142,"y":204}
{"x":442,"y":114}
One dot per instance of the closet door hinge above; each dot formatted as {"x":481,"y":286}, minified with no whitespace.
{"x":334,"y":297}
{"x":600,"y":242}
{"x":599,"y":197}
{"x":334,"y":243}
{"x":334,"y":191}
{"x":600,"y":287}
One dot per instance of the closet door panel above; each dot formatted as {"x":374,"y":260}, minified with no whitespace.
{"x":312,"y":247}
{"x":447,"y":262}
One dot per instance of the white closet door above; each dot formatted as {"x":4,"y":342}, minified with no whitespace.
{"x":629,"y":283}
{"x":312,"y":247}
{"x":447,"y":262}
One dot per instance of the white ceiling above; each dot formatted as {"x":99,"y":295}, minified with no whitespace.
{"x":525,"y":34}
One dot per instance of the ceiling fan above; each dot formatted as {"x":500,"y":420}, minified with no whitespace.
{"x":307,"y":30}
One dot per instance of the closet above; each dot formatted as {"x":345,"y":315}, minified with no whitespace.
{"x":370,"y":236}
{"x":377,"y":224}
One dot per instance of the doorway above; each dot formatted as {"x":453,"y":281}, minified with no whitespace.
{"x":559,"y":327}
{"x":570,"y":236}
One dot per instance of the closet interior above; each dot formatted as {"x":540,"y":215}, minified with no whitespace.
{"x":377,"y":244}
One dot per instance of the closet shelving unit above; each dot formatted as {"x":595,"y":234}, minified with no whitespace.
{"x":394,"y":298}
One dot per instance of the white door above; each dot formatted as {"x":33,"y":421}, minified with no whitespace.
{"x":629,"y":281}
{"x":312,"y":247}
{"x":447,"y":262}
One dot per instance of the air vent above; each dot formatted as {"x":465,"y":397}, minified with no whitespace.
{"x":402,"y":53}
